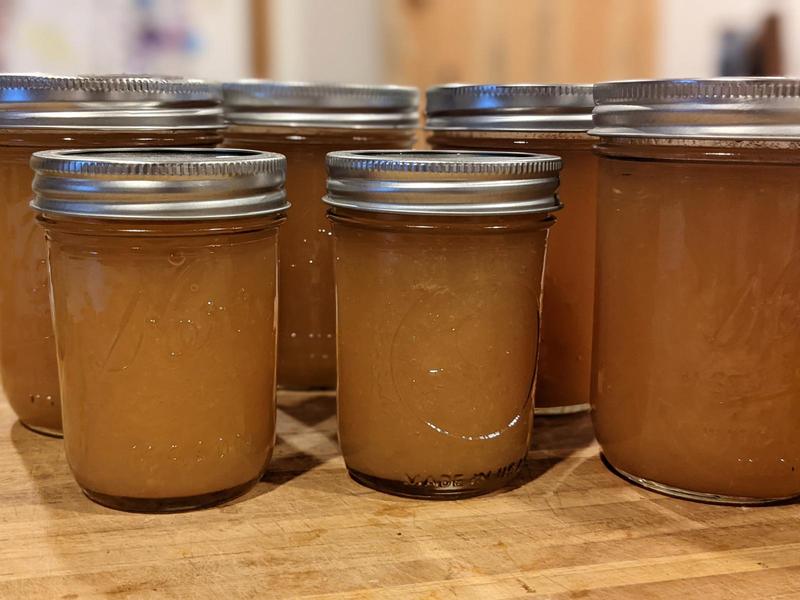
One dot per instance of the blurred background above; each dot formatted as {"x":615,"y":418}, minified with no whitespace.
{"x":415,"y":42}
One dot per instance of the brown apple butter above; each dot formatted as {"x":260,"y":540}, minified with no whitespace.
{"x":550,"y":119}
{"x":696,"y":390}
{"x":304,"y":122}
{"x":163,"y":266}
{"x":40,"y":112}
{"x":438,"y":263}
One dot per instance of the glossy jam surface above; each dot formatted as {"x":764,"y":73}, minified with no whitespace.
{"x":566,"y":352}
{"x":166,"y":342}
{"x":696,"y":386}
{"x":307,"y":327}
{"x":437,"y":339}
{"x":27,"y":353}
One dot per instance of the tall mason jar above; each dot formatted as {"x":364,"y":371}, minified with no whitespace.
{"x":38,"y":112}
{"x":305,"y":121}
{"x":439,"y":260}
{"x":695,"y":382}
{"x":552,"y":119}
{"x":163,"y":264}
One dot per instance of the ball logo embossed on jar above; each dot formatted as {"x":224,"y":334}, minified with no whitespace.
{"x":180,"y":306}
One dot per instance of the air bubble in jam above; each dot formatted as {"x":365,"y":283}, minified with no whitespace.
{"x":176,"y":259}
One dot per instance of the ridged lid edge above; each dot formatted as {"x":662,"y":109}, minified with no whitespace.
{"x":518,"y":164}
{"x":109,"y":84}
{"x":514,"y":107}
{"x":372,"y":95}
{"x":518,"y":90}
{"x":84,"y":162}
{"x":714,"y":89}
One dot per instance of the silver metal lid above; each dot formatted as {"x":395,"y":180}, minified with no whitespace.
{"x":293,"y":104}
{"x":117,"y":102}
{"x":765,"y":108}
{"x":443,"y":182}
{"x":523,"y":107}
{"x":160,"y":184}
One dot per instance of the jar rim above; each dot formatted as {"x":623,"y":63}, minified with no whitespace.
{"x":162,"y":184}
{"x":436,"y":182}
{"x":110,"y":102}
{"x":329,"y":105}
{"x":510,"y":107}
{"x":746,"y":108}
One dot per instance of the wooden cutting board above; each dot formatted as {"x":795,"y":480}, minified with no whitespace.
{"x":569,"y":529}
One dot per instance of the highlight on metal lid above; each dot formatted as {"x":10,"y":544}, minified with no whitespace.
{"x":443,"y":182}
{"x":115,"y":102}
{"x":518,"y":107}
{"x":159,"y":183}
{"x":765,"y":108}
{"x":278,"y":103}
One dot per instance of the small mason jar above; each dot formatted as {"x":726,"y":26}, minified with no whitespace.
{"x":439,"y":258}
{"x":40,"y":112}
{"x":163,"y":266}
{"x":553,"y":119}
{"x":305,"y":121}
{"x":695,"y":382}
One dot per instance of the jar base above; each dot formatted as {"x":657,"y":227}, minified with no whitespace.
{"x":168,"y":505}
{"x":54,"y":433}
{"x":407,"y":490}
{"x":560,"y":410}
{"x":706,"y":497}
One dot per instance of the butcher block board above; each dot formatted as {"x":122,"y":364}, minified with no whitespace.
{"x":568,"y":528}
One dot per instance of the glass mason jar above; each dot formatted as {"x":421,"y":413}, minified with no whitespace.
{"x":552,"y":119}
{"x":41,"y":112}
{"x":439,"y":259}
{"x":163,"y":266}
{"x":304,"y":122}
{"x":696,"y":390}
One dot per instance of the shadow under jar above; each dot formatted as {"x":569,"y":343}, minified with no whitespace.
{"x":41,"y":112}
{"x":439,"y":259}
{"x":305,"y":121}
{"x":551,"y":119}
{"x":696,"y":390}
{"x":163,"y":266}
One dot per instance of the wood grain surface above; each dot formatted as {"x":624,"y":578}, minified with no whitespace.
{"x":568,"y":529}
